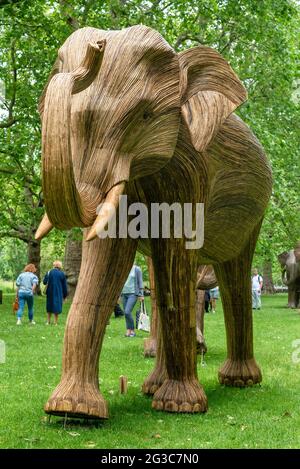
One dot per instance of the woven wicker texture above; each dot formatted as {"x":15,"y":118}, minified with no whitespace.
{"x":123,"y":113}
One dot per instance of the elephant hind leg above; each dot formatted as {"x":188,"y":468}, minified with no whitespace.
{"x":234,"y":278}
{"x":185,"y":396}
{"x":175,"y":274}
{"x":156,"y":378}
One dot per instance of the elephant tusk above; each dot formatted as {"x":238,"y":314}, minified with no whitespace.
{"x":44,"y":228}
{"x":106,"y":212}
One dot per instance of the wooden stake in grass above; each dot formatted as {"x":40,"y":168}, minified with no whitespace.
{"x":123,"y":384}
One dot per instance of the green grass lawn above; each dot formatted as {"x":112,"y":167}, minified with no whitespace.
{"x":266,"y":416}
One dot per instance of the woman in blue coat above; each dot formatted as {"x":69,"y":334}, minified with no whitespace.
{"x":56,"y":291}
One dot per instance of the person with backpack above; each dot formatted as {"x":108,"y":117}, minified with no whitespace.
{"x":257,"y":283}
{"x":132,"y":290}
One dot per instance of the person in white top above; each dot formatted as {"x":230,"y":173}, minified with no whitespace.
{"x":257,"y":283}
{"x":26,"y":283}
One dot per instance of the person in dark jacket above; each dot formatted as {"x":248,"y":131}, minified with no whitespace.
{"x":206,"y":301}
{"x":56,"y":292}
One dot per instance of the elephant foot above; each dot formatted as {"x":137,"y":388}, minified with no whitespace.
{"x":201,"y":347}
{"x":240,"y":373}
{"x":150,"y":347}
{"x":77,"y":401}
{"x":154,"y":381}
{"x":180,"y":396}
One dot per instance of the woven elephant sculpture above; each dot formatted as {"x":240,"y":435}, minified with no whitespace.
{"x":290,"y":269}
{"x":124,"y":114}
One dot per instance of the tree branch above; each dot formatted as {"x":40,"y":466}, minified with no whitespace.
{"x":88,"y":5}
{"x":66,"y":10}
{"x":15,"y":234}
{"x":11,"y":120}
{"x":6,"y":171}
{"x":7,"y":123}
{"x":187,"y":37}
{"x":29,"y":196}
{"x":154,"y":5}
{"x":13,"y":156}
{"x":15,"y":230}
{"x":232,"y":38}
{"x":12,"y":171}
{"x":3,"y":3}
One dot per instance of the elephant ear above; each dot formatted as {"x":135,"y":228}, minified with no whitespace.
{"x":282,"y":258}
{"x":297,"y":252}
{"x":210,"y":92}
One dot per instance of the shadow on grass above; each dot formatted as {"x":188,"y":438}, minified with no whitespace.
{"x":66,"y":423}
{"x":218,"y":394}
{"x":126,"y":410}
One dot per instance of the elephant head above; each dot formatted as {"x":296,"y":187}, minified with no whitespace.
{"x":290,"y":273}
{"x":111,"y":112}
{"x":282,"y":258}
{"x":290,"y":265}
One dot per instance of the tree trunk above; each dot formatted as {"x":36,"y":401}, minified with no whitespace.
{"x":72,"y":261}
{"x":234,"y":278}
{"x":34,"y":257}
{"x":150,"y":344}
{"x":268,"y":285}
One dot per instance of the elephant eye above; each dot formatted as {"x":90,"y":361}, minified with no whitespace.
{"x":147,"y":115}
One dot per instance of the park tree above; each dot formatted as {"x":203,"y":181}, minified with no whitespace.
{"x":13,"y":259}
{"x":259,"y":39}
{"x":72,"y":259}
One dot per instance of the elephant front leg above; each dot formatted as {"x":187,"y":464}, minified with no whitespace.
{"x":292,"y":296}
{"x":156,"y":378}
{"x":175,"y":273}
{"x":104,"y":269}
{"x":234,"y":278}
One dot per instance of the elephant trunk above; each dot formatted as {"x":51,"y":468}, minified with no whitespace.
{"x":66,"y":207}
{"x":283,"y":277}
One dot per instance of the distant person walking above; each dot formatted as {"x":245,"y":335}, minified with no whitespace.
{"x":214,"y":295}
{"x":132,"y":290}
{"x":257,"y":283}
{"x":26,"y":287}
{"x":56,"y":291}
{"x":206,"y":300}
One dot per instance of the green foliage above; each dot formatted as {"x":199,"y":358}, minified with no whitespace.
{"x":52,"y":248}
{"x":141,"y":261}
{"x":265,"y":416}
{"x":260,"y":39}
{"x":13,"y":256}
